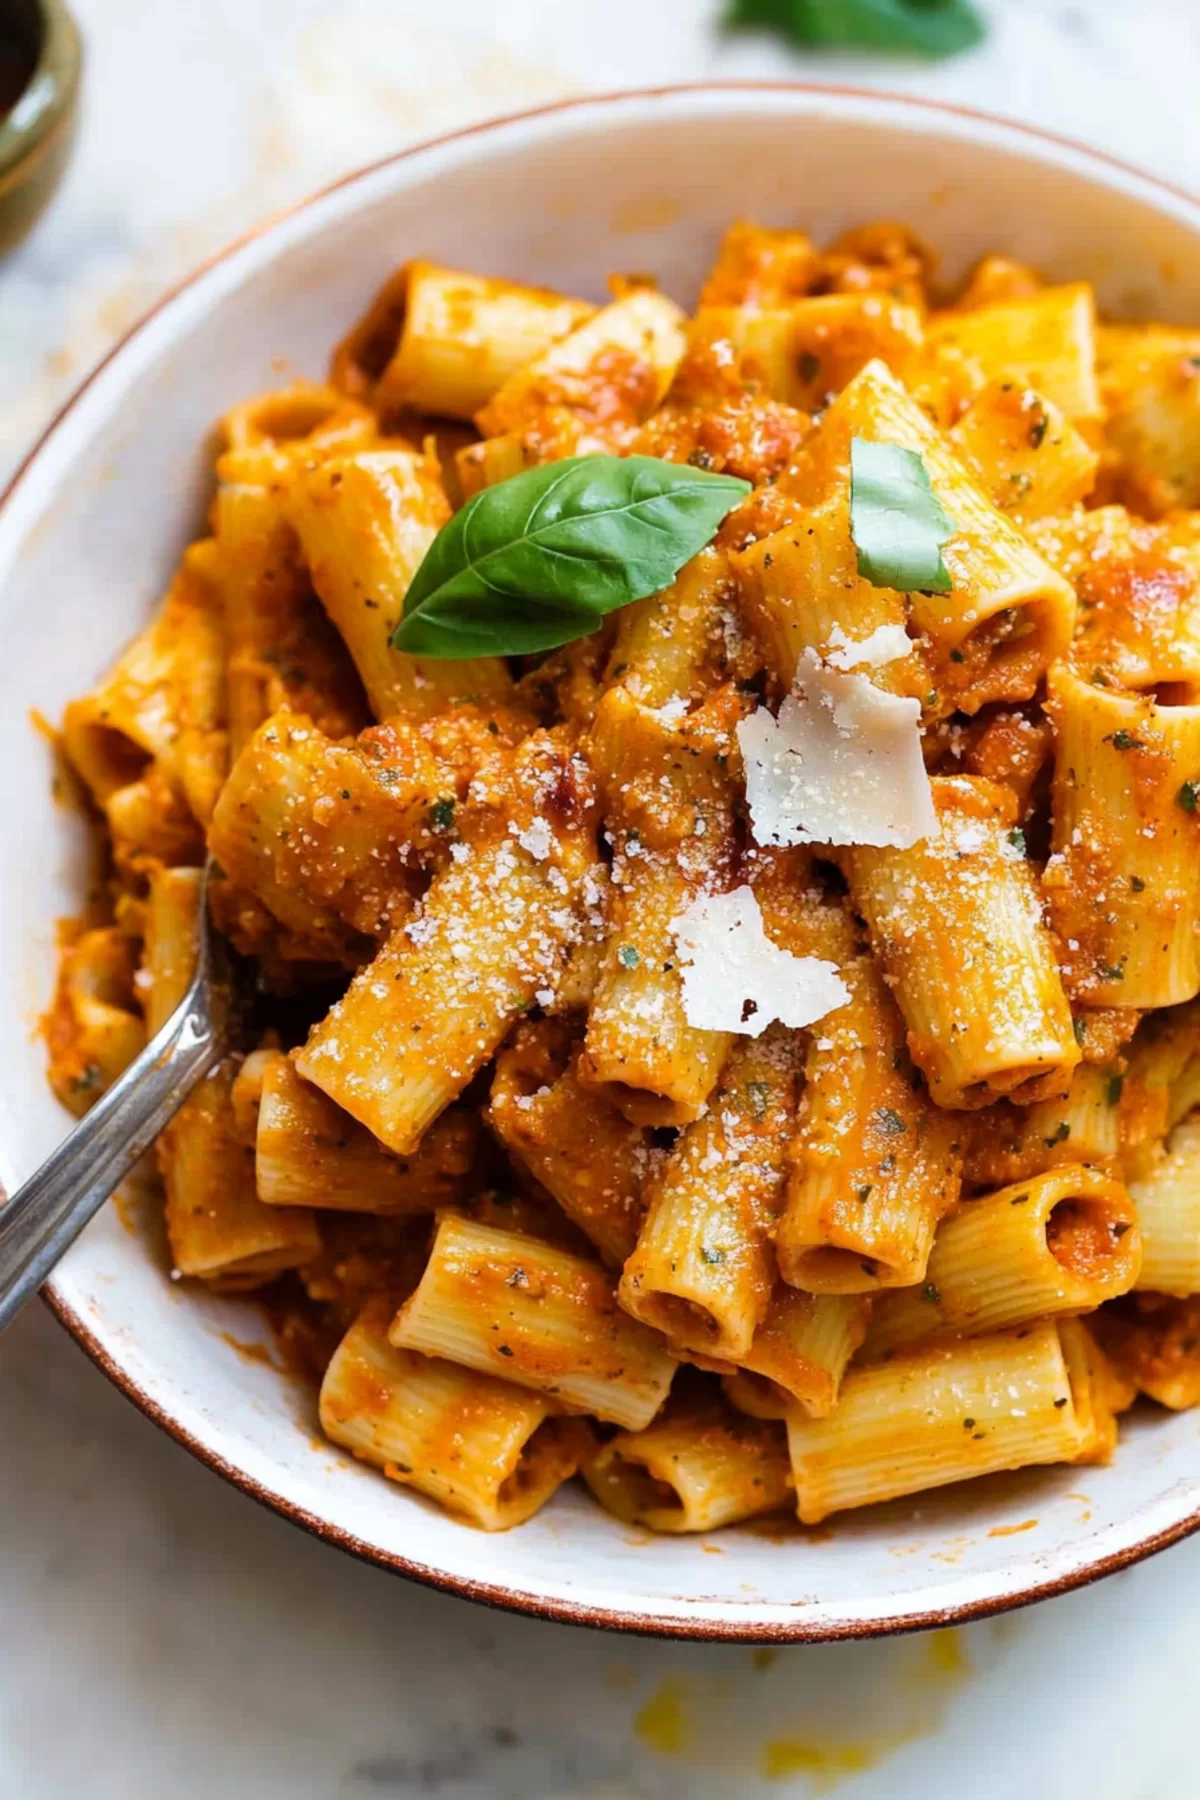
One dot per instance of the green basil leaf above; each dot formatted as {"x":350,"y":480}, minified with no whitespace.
{"x":538,"y":560}
{"x":920,"y":27}
{"x":896,"y":520}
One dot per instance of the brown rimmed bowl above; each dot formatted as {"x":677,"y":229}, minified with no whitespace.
{"x":89,"y":530}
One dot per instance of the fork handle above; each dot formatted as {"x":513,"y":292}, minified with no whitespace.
{"x":47,"y":1213}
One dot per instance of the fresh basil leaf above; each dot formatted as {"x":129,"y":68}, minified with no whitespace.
{"x":921,"y":27}
{"x":538,"y":560}
{"x":896,"y":520}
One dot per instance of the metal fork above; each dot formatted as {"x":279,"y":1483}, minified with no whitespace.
{"x":47,"y":1213}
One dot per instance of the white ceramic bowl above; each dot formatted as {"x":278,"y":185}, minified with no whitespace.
{"x":88,"y":533}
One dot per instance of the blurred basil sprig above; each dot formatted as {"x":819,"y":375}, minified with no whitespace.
{"x":921,"y":27}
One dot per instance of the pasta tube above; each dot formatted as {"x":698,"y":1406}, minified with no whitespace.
{"x":318,"y":831}
{"x":172,"y":926}
{"x":359,"y":359}
{"x":310,"y":1153}
{"x":590,"y":390}
{"x":571,"y":1138}
{"x":703,"y":1269}
{"x":699,"y":1468}
{"x":135,"y":715}
{"x":668,"y":802}
{"x":1007,"y":1143}
{"x":957,"y":926}
{"x":93,"y":1029}
{"x":512,"y":1306}
{"x":489,"y":939}
{"x":944,"y":1413}
{"x":1139,"y":594}
{"x":463,"y":337}
{"x":283,"y":649}
{"x":488,"y":1451}
{"x":1167,"y":1197}
{"x":1008,"y":615}
{"x":806,"y":352}
{"x":1123,"y":883}
{"x":760,"y":265}
{"x":874,"y":1165}
{"x":150,"y":740}
{"x":1061,"y":1242}
{"x":1030,"y":460}
{"x":364,"y":523}
{"x":1148,"y":381}
{"x":801,"y":590}
{"x":306,"y":420}
{"x":1162,"y":1082}
{"x":882,"y":256}
{"x":219,"y":1230}
{"x":799,"y":1353}
{"x":1046,"y":339}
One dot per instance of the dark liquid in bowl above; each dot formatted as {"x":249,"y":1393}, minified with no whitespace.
{"x":20,"y":45}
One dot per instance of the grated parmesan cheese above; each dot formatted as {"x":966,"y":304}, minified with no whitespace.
{"x":537,"y":838}
{"x":736,"y":979}
{"x":841,"y":764}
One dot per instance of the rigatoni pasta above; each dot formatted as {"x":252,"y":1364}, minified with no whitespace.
{"x":1166,"y":1193}
{"x":873,"y":1166}
{"x":1123,"y":882}
{"x":956,"y":923}
{"x":702,"y":1270}
{"x":539,"y":1316}
{"x":941,"y":1414}
{"x":308,"y":1152}
{"x":696,"y":1469}
{"x":491,"y":1452}
{"x":1061,"y":1242}
{"x":773,"y":946}
{"x":799,"y":1353}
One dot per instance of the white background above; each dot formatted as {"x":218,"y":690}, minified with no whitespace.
{"x":159,"y":1634}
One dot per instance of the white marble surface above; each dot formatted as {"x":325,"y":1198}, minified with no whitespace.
{"x":158,"y":1632}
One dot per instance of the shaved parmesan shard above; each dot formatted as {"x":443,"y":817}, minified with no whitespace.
{"x":736,"y":979}
{"x":886,"y":644}
{"x":840,"y":765}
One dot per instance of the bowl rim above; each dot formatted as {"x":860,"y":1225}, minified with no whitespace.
{"x":828,"y":1629}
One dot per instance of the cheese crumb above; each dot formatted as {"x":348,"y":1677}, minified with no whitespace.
{"x":841,"y":764}
{"x":736,"y":979}
{"x":537,"y":838}
{"x":886,"y":644}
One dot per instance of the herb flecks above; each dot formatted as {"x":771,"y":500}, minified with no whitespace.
{"x":759,"y":1093}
